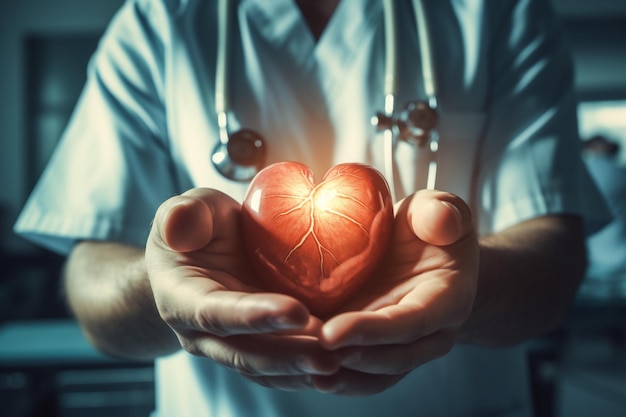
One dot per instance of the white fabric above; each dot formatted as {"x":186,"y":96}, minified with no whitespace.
{"x":145,"y":128}
{"x":471,"y":381}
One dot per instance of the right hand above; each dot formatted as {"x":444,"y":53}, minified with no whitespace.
{"x":206,"y":294}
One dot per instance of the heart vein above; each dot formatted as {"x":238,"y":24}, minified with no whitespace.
{"x":321,"y":249}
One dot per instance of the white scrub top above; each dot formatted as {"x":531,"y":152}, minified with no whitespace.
{"x":145,"y":128}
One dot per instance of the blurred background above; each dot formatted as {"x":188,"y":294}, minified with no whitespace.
{"x":47,"y":368}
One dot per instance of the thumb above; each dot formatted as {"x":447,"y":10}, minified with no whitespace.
{"x":188,"y":223}
{"x":438,"y":218}
{"x":184,"y":223}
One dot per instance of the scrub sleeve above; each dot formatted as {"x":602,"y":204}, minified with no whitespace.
{"x":112,"y":167}
{"x":538,"y":170}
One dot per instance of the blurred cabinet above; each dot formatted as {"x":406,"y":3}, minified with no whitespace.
{"x":48,"y":369}
{"x":55,"y":72}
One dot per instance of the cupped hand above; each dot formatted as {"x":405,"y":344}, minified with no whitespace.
{"x":206,"y":294}
{"x":412,"y":311}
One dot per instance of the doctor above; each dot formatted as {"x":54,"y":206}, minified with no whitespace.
{"x":473,"y":272}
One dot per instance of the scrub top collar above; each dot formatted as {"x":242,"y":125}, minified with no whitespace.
{"x":281,"y":22}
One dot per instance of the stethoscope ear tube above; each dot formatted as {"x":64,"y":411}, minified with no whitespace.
{"x":417,"y":122}
{"x":241,"y":155}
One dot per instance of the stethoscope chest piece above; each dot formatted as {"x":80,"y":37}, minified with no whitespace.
{"x":241,"y":157}
{"x":417,"y":121}
{"x":413,"y":124}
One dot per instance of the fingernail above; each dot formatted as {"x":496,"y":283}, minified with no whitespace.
{"x":283,"y":323}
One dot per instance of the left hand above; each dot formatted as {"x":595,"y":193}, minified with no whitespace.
{"x":425,"y":292}
{"x":206,"y":294}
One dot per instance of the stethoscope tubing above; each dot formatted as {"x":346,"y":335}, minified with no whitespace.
{"x":222,"y":104}
{"x":391,"y":133}
{"x":391,"y":88}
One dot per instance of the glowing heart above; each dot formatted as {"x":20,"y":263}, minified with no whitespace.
{"x":318,"y":243}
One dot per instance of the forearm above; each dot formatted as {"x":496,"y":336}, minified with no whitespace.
{"x":528,"y":277}
{"x":109,"y":293}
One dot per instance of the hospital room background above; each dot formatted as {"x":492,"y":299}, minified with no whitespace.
{"x":48,"y":369}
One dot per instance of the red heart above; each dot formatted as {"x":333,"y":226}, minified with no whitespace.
{"x":318,"y":243}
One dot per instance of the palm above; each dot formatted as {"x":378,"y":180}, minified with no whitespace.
{"x":204,"y":291}
{"x":417,"y":272}
{"x":410,"y":312}
{"x":206,"y":243}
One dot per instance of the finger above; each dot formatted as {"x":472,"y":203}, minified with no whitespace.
{"x":283,"y":382}
{"x":398,"y":359}
{"x":312,"y":328}
{"x":437,"y":218}
{"x":433,"y":305}
{"x":204,"y":305}
{"x":351,"y":383}
{"x":266,"y":355}
{"x":188,"y":222}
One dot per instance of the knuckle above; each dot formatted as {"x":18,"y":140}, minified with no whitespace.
{"x":189,"y":346}
{"x":168,"y":316}
{"x":207,"y":322}
{"x":243,"y":365}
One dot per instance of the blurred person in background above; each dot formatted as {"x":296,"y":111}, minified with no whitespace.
{"x":606,"y":275}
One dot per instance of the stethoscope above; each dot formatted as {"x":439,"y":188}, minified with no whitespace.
{"x":240,"y":155}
